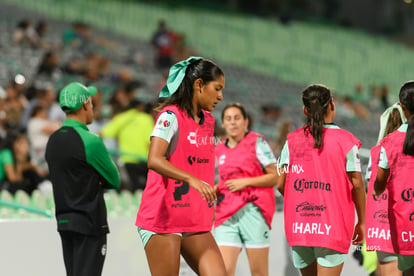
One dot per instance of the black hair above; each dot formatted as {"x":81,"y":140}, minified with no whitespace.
{"x":40,"y":26}
{"x":36,"y":110}
{"x":243,"y":112}
{"x":203,"y":69}
{"x":11,"y":137}
{"x":237,"y":105}
{"x":316,"y":99}
{"x":132,"y":85}
{"x":23,"y":24}
{"x":407,"y":101}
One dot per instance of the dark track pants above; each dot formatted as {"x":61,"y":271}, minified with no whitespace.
{"x":83,"y":255}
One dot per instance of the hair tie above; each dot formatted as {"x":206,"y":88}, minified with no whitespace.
{"x":384,"y":119}
{"x":327,"y":102}
{"x":176,"y":76}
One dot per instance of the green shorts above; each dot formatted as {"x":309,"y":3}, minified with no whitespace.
{"x":385,"y":257}
{"x":246,"y":228}
{"x":303,"y":256}
{"x":405,"y":262}
{"x":147,"y":234}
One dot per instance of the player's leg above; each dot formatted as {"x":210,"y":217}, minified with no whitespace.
{"x":255,"y":233}
{"x":230,"y":255}
{"x":330,"y":262}
{"x":304,"y":259}
{"x":202,"y":254}
{"x":388,"y":264}
{"x":227,"y":236}
{"x":406,"y":264}
{"x":258,"y":261}
{"x":163,"y":252}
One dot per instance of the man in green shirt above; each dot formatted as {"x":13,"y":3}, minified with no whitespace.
{"x":132,"y":129}
{"x":80,"y":169}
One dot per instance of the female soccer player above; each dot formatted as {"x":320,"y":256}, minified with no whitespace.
{"x":378,"y":236}
{"x":321,"y":182}
{"x":176,"y":212}
{"x":395,"y":167}
{"x":247,"y":175}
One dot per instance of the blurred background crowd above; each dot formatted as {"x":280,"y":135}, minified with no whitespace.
{"x":269,"y":51}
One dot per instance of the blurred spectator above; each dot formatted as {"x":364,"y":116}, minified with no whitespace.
{"x":45,"y":96}
{"x":132,"y":129}
{"x":162,"y":81}
{"x":274,"y":126}
{"x":181,"y":50}
{"x":96,"y":66}
{"x":374,"y":99}
{"x":39,"y":128}
{"x":3,"y":115}
{"x":268,"y":123}
{"x":163,"y":40}
{"x":344,"y":107}
{"x":16,"y":101}
{"x":77,"y":35}
{"x":100,"y":118}
{"x":35,"y":35}
{"x":41,"y":30}
{"x":359,"y":102}
{"x":284,"y":129}
{"x":347,"y":108}
{"x":75,"y":65}
{"x":91,"y":66}
{"x":150,"y":109}
{"x":24,"y":33}
{"x":122,"y":76}
{"x":359,"y":96}
{"x":49,"y":64}
{"x":19,"y":33}
{"x":385,"y":91}
{"x":16,"y":170}
{"x":123,"y":96}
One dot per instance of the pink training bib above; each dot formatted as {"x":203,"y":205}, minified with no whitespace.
{"x":170,"y":206}
{"x":377,"y":233}
{"x":242,"y":162}
{"x":319,"y":210}
{"x":401,"y":194}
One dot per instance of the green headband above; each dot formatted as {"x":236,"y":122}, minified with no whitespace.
{"x":176,"y":76}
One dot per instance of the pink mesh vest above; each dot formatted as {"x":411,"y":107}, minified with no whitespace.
{"x":241,"y":162}
{"x":377,"y":234}
{"x":170,"y":206}
{"x":318,"y":205}
{"x":401,"y":194}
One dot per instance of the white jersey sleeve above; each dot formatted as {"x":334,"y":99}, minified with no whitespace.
{"x":353,"y":163}
{"x":166,"y":126}
{"x":264,"y":152}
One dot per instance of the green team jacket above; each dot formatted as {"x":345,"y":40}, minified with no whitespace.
{"x":80,"y":169}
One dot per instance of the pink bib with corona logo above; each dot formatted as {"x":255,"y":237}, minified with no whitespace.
{"x":241,"y":162}
{"x":170,"y":206}
{"x":377,"y":234}
{"x":319,"y":210}
{"x":401,"y":193}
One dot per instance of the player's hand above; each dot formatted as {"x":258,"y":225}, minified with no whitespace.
{"x":207,"y":192}
{"x":235,"y":185}
{"x":216,"y":189}
{"x":359,"y":234}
